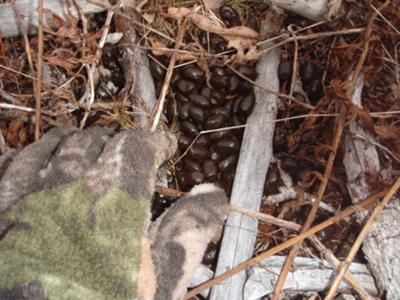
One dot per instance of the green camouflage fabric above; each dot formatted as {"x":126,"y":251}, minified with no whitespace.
{"x":75,"y":219}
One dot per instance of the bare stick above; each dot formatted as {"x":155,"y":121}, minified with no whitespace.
{"x":267,"y":218}
{"x":357,"y":244}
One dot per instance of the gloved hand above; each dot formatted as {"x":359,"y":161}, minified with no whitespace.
{"x":74,"y":216}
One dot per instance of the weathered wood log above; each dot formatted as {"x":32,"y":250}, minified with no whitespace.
{"x":255,"y":155}
{"x":309,"y":275}
{"x":29,"y":14}
{"x":381,"y":246}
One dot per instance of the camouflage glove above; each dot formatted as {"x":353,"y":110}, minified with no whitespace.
{"x":73,"y":208}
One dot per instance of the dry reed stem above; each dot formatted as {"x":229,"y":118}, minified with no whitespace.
{"x":295,"y":58}
{"x":161,"y":99}
{"x":357,"y":244}
{"x":293,"y":241}
{"x":38,"y":90}
{"x":311,"y":36}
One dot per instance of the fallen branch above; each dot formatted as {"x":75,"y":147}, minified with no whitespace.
{"x":247,"y":191}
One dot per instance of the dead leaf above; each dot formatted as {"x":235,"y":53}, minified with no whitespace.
{"x":240,"y":38}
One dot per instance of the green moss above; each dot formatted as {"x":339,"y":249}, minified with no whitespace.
{"x":71,"y":260}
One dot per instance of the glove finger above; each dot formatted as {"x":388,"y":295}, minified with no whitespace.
{"x":130,"y":161}
{"x":21,"y":177}
{"x":178,"y":241}
{"x":74,"y":156}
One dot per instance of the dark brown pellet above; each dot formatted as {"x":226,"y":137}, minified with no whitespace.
{"x":237,"y":120}
{"x":183,"y":142}
{"x":219,"y":82}
{"x":229,"y":15}
{"x":247,"y":104}
{"x":227,"y":145}
{"x":189,"y":128}
{"x":199,"y":100}
{"x":210,"y":255}
{"x":181,"y":179}
{"x":175,"y":77}
{"x":235,"y":105}
{"x":247,"y":71}
{"x":171,"y":109}
{"x":210,"y":170}
{"x":198,"y":152}
{"x":185,"y":86}
{"x":227,"y":163}
{"x":214,"y":122}
{"x":203,"y":140}
{"x":206,"y":92}
{"x":197,"y":114}
{"x":184,"y":112}
{"x":227,"y":181}
{"x":233,"y":84}
{"x":193,"y":73}
{"x":308,"y":72}
{"x":191,"y":165}
{"x":157,"y":70}
{"x":194,"y":177}
{"x":216,"y":98}
{"x":181,"y":97}
{"x":214,"y":155}
{"x":314,"y":90}
{"x":221,"y":111}
{"x":285,"y":70}
{"x":245,"y":87}
{"x":214,"y":136}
